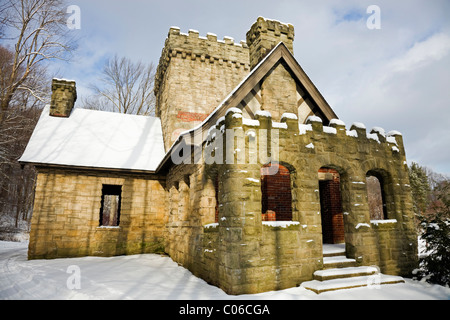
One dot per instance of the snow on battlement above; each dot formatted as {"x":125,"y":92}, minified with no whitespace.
{"x":207,"y":49}
{"x":211,"y":37}
{"x":310,"y":132}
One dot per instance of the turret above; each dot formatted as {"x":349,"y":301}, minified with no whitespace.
{"x":264,"y":35}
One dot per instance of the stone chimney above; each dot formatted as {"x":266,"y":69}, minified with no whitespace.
{"x":64,"y":95}
{"x":264,"y":35}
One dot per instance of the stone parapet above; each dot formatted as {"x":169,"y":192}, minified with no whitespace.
{"x":209,"y":49}
{"x":357,"y":138}
{"x":266,"y":34}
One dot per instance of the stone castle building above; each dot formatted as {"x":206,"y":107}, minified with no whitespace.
{"x":245,"y":176}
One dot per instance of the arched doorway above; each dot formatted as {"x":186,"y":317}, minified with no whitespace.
{"x":331,"y":206}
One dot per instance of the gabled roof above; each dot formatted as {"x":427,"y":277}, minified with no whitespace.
{"x":279,"y":53}
{"x":96,"y":139}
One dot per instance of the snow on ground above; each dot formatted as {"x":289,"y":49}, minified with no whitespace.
{"x":153,"y":277}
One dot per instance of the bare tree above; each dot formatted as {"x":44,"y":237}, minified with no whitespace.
{"x":3,"y":18}
{"x":124,"y":87}
{"x":16,"y":183}
{"x":33,"y":32}
{"x":19,"y":120}
{"x":38,"y":31}
{"x":38,"y":83}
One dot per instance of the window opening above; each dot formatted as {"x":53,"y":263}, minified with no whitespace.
{"x":276,"y":201}
{"x":110,"y":207}
{"x":375,"y":197}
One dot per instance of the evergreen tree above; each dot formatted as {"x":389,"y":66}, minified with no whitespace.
{"x":435,"y":264}
{"x":420,"y":187}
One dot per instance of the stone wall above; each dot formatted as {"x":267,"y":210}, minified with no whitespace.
{"x":279,"y":92}
{"x":65,"y":220}
{"x":194,"y":75}
{"x":395,"y":246}
{"x":243,"y":254}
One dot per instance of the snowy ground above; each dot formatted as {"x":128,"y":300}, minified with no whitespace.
{"x":152,"y":277}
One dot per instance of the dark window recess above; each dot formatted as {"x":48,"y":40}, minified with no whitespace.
{"x":110,"y":207}
{"x":331,"y":206}
{"x":276,"y":198}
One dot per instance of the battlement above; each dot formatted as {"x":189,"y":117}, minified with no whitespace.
{"x":312,"y":137}
{"x":211,"y":37}
{"x":266,"y":34}
{"x":393,"y":139}
{"x":195,"y":73}
{"x":275,"y":27}
{"x":208,"y":49}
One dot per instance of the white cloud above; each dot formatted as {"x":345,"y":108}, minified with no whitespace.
{"x":407,"y":92}
{"x":422,"y":53}
{"x":396,"y":77}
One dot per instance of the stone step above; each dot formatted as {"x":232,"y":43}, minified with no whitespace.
{"x":339,"y":273}
{"x":352,"y":282}
{"x":338,"y":262}
{"x":332,"y":250}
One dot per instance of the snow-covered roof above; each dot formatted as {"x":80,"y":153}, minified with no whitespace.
{"x":96,"y":139}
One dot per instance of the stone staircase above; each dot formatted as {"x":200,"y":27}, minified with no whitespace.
{"x":341,"y":272}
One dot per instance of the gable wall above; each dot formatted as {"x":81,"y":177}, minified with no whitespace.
{"x":278,"y":93}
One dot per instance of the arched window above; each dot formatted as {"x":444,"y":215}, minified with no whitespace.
{"x":376,"y":196}
{"x":276,"y":201}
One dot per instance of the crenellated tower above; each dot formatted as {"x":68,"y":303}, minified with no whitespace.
{"x":195,"y":73}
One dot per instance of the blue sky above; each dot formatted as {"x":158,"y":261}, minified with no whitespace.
{"x":396,"y":77}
